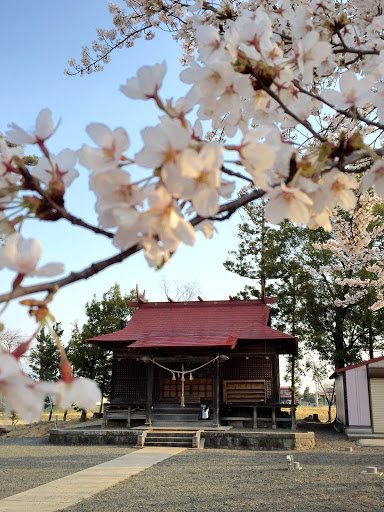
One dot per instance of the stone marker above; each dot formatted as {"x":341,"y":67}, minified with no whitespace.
{"x":371,"y":470}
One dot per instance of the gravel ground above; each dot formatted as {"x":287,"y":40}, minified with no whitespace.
{"x":31,"y":461}
{"x":212,"y":480}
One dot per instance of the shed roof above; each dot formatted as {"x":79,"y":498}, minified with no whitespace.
{"x":197,"y":324}
{"x":350,"y":367}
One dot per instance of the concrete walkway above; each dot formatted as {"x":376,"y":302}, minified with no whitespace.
{"x":64,"y":492}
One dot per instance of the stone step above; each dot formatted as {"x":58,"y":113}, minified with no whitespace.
{"x":178,"y":444}
{"x":169,"y":434}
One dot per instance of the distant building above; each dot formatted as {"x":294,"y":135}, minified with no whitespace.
{"x":285,"y":395}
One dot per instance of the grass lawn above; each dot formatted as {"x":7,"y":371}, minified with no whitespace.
{"x":71,"y":415}
{"x":304,"y":412}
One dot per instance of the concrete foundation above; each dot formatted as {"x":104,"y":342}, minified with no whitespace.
{"x":210,"y":438}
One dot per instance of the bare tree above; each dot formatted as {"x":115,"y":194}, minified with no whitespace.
{"x":180,"y":291}
{"x":320,"y":372}
{"x":10,"y":339}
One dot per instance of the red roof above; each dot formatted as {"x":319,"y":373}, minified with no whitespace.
{"x":363,"y":363}
{"x":197,"y":324}
{"x":190,"y":341}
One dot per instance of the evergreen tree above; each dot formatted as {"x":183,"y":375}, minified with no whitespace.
{"x":44,"y":359}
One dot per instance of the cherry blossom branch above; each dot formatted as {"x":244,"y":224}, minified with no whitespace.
{"x":343,"y":112}
{"x":235,"y":174}
{"x":230,"y":208}
{"x":34,"y":184}
{"x":53,"y":286}
{"x":288,"y":111}
{"x":81,"y":69}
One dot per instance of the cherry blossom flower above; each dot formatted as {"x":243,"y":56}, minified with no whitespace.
{"x":112,"y":144}
{"x":117,"y":198}
{"x":199,"y":178}
{"x":375,"y":177}
{"x":63,"y":168}
{"x":21,"y":394}
{"x":337,"y":190}
{"x":43,"y":130}
{"x":163,"y":144}
{"x":353,"y":92}
{"x":257,"y":157}
{"x":310,"y":52}
{"x":288,"y":203}
{"x":85,"y":393}
{"x":147,"y":82}
{"x":23,"y":255}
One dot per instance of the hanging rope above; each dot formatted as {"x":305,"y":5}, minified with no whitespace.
{"x":182,"y":372}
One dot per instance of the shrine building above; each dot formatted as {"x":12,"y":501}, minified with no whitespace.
{"x":175,"y":360}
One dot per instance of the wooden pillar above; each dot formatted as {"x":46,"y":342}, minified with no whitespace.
{"x":148,"y":420}
{"x":275,"y":383}
{"x":293,"y":399}
{"x":293,"y":418}
{"x":216,"y":395}
{"x":129,"y":416}
{"x":255,"y":416}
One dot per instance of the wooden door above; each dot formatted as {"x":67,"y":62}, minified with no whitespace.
{"x":201,"y":388}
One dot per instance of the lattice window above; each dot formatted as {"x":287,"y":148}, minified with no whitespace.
{"x":130,"y":389}
{"x":252,"y":368}
{"x":129,"y":369}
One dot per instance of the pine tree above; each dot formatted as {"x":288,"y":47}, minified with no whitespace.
{"x":44,"y":359}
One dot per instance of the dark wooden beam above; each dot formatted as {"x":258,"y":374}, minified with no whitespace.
{"x":293,"y":398}
{"x":216,"y":395}
{"x":148,"y":420}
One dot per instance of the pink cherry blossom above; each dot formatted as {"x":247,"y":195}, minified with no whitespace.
{"x":60,"y":167}
{"x":112,"y":145}
{"x":288,"y":203}
{"x":23,"y":256}
{"x":85,"y":393}
{"x":147,"y":82}
{"x":43,"y":130}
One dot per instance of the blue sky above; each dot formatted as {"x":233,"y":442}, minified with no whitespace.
{"x":38,"y":38}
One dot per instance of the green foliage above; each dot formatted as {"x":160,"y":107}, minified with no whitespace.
{"x":306,"y":393}
{"x":44,"y":359}
{"x":109,"y":314}
{"x":31,"y":160}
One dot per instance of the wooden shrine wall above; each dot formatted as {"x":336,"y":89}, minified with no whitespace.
{"x":129,"y":376}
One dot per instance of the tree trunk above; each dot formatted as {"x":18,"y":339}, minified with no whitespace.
{"x":65,"y":416}
{"x":101,"y":402}
{"x":330,"y":403}
{"x":83,"y":415}
{"x":371,"y":341}
{"x":338,"y":338}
